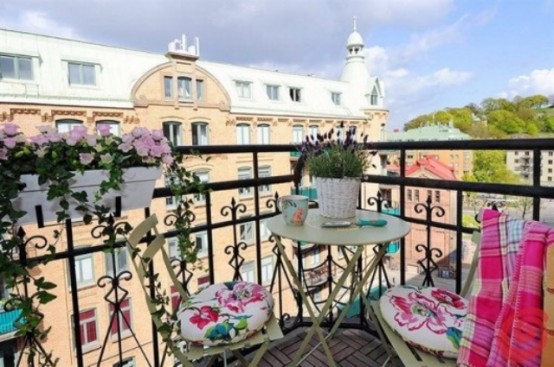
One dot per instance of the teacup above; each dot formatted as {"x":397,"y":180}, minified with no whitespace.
{"x":294,"y":209}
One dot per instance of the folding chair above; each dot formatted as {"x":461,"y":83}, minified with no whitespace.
{"x":409,"y":355}
{"x":184,"y":351}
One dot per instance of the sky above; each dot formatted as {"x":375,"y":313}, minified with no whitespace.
{"x":430,"y":54}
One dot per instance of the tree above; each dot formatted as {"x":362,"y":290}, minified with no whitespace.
{"x":490,"y":166}
{"x":506,"y":121}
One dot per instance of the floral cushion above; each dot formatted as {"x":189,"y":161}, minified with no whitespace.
{"x":430,"y":319}
{"x":225,"y":313}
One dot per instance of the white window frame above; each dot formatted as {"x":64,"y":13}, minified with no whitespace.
{"x":168,"y":86}
{"x":170,"y":201}
{"x":245,"y":173}
{"x":184,"y":87}
{"x":313,"y":130}
{"x":244,"y":89}
{"x":203,"y":238}
{"x":297,"y":134}
{"x":204,"y":177}
{"x":121,"y":261}
{"x":17,"y":62}
{"x":243,"y":134}
{"x":336,"y":98}
{"x":173,"y":132}
{"x":263,"y":131}
{"x":267,"y":267}
{"x":66,"y":125}
{"x":264,"y":231}
{"x":264,"y":171}
{"x":295,"y":94}
{"x":246,"y":232}
{"x":199,"y":133}
{"x":82,"y":278}
{"x":82,"y":324}
{"x":272,"y":91}
{"x":82,"y":79}
{"x":199,"y":84}
{"x":247,"y":272}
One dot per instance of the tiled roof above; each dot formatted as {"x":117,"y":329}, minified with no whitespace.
{"x":433,"y":166}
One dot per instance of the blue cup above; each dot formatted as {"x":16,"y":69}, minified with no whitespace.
{"x":294,"y":209}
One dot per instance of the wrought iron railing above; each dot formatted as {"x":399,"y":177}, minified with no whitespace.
{"x":237,"y":246}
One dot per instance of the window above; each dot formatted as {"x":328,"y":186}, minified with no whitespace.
{"x":172,"y":131}
{"x":124,"y":316}
{"x":374,"y":97}
{"x":88,"y":328}
{"x":65,"y":126}
{"x":264,"y":171}
{"x":201,"y":239}
{"x":437,"y":196}
{"x":409,"y":192}
{"x":121,"y":263}
{"x":294,"y":94}
{"x":175,"y":298}
{"x":247,"y":272}
{"x":264,"y":231}
{"x":267,"y":269}
{"x":199,"y":89}
{"x":199,"y":133}
{"x":335,"y":97}
{"x":416,"y":192}
{"x":113,"y":125}
{"x":168,"y":86}
{"x":313,"y":130}
{"x":244,"y":174}
{"x":81,"y":73}
{"x":16,"y":67}
{"x":272,"y":92}
{"x":170,"y":201}
{"x":243,"y":134}
{"x":84,"y":269}
{"x":316,"y":255}
{"x":297,"y":134}
{"x":127,"y":362}
{"x":203,"y":281}
{"x":246,"y":234}
{"x":184,"y":87}
{"x":243,"y":89}
{"x":204,"y":177}
{"x":263,"y":134}
{"x":173,"y":248}
{"x":430,"y":194}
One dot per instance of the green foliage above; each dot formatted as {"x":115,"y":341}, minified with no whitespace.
{"x":490,"y":166}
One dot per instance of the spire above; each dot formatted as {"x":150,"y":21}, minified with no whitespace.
{"x":355,"y":28}
{"x":355,"y":61}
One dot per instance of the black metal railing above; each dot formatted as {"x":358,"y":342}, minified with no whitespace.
{"x":239,"y":247}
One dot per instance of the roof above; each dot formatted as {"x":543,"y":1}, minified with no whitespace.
{"x":429,"y":132}
{"x":430,"y":166}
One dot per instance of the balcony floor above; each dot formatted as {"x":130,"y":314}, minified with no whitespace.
{"x":350,"y":347}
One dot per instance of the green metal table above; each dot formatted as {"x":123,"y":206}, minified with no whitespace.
{"x":354,"y":237}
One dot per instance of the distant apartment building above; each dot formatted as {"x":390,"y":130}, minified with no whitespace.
{"x":60,"y":82}
{"x":442,"y":204}
{"x":521,"y":162}
{"x":460,"y":160}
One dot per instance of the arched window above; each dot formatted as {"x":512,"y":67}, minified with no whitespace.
{"x":65,"y":125}
{"x":173,"y":132}
{"x":243,"y":134}
{"x":297,"y":134}
{"x":263,"y":134}
{"x":114,"y":126}
{"x":199,"y":133}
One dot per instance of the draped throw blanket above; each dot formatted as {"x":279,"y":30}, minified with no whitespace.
{"x":500,"y":240}
{"x":504,"y":322}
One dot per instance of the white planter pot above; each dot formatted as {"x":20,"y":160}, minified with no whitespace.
{"x":135,"y":193}
{"x":337,"y":197}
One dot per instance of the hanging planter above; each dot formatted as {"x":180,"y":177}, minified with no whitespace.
{"x":136,"y":192}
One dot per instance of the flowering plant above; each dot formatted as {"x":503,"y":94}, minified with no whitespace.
{"x":56,"y":157}
{"x":335,"y":154}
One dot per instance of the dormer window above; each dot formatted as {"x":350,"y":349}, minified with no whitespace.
{"x":295,"y":94}
{"x":244,"y":89}
{"x":272,"y":92}
{"x":335,"y":97}
{"x":81,"y":73}
{"x":184,"y":86}
{"x":374,"y":97}
{"x":16,"y":67}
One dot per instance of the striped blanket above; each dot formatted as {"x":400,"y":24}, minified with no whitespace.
{"x":504,"y":322}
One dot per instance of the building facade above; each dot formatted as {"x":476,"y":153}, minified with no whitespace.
{"x":60,"y":82}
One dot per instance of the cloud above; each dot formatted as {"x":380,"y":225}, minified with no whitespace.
{"x":38,"y":22}
{"x":537,"y":82}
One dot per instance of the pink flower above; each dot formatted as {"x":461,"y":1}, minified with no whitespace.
{"x":241,"y":295}
{"x":205,"y":315}
{"x":444,"y":296}
{"x":3,"y":154}
{"x":10,"y":142}
{"x":167,"y":159}
{"x":419,"y":311}
{"x":91,"y":140}
{"x":158,"y":134}
{"x":39,"y":139}
{"x":104,"y":129}
{"x":86,"y":158}
{"x":11,"y":129}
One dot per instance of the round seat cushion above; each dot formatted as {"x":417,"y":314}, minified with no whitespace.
{"x":430,"y":319}
{"x":225,"y":313}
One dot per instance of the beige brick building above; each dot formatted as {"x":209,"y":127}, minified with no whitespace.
{"x":60,"y":82}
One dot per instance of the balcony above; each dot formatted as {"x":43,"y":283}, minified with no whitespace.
{"x":231,"y":228}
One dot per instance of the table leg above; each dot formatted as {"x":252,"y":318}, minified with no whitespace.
{"x":315,"y":329}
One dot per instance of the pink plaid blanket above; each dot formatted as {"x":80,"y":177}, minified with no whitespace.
{"x":500,"y":240}
{"x":504,"y":322}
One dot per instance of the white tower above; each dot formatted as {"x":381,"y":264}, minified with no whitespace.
{"x":355,"y":70}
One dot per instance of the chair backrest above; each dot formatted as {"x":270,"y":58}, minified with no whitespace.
{"x":547,"y":357}
{"x":476,"y":239}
